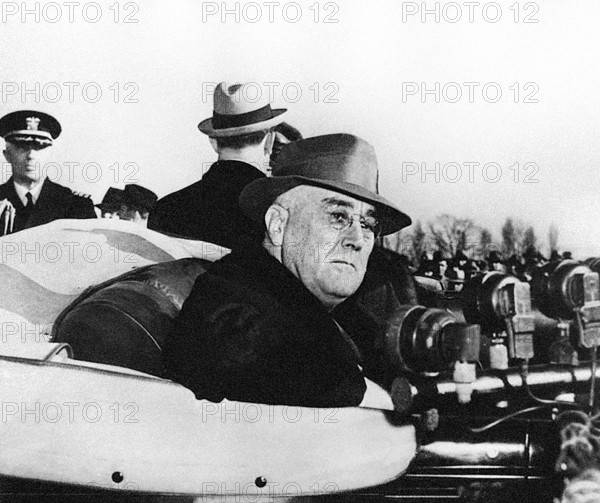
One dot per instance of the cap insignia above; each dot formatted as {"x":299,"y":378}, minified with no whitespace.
{"x":32,"y":123}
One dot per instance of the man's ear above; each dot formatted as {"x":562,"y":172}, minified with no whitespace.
{"x":269,"y":140}
{"x":213,"y":144}
{"x":276,"y":219}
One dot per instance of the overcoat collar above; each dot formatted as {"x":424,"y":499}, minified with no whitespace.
{"x":262,"y":272}
{"x":237,"y":168}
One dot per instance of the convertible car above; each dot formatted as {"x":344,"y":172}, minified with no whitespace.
{"x":88,"y":415}
{"x":83,"y":306}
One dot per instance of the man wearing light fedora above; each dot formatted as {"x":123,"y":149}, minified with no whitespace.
{"x":257,"y":327}
{"x":240,"y":131}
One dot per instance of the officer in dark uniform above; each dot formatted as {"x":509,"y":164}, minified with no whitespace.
{"x":29,"y":199}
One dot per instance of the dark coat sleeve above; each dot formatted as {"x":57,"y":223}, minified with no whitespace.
{"x":368,"y":334}
{"x":164,"y":216}
{"x":387,"y":285}
{"x":81,"y":207}
{"x":208,"y":210}
{"x":238,"y":351}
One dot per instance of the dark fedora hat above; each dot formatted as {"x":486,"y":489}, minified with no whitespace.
{"x":112,"y":200}
{"x":29,"y":126}
{"x":284,"y":133}
{"x":236,"y":112}
{"x":139,"y":196}
{"x":341,"y":162}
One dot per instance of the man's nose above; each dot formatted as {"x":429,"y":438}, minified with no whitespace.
{"x":354,"y":236}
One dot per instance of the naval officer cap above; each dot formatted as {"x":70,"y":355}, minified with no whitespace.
{"x":29,"y":126}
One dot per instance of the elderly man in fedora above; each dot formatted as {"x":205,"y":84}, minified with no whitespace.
{"x":257,"y":327}
{"x":241,"y":132}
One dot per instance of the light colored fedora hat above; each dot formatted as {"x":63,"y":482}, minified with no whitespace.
{"x":236,"y":112}
{"x":341,"y":162}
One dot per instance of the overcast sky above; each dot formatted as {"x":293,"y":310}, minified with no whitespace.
{"x":504,"y":96}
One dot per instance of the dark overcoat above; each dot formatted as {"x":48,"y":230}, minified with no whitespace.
{"x":208,"y":210}
{"x":54,"y":202}
{"x":250,"y":331}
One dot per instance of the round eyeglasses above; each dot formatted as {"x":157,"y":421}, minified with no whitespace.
{"x":342,"y":220}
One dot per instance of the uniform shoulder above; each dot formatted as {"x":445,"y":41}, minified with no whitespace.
{"x":80,"y":204}
{"x":4,"y":187}
{"x":81,"y":195}
{"x":65,"y":191}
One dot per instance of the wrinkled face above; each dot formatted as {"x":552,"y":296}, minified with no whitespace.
{"x":327,"y":255}
{"x":27,"y":160}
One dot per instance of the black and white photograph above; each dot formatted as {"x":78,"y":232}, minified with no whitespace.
{"x":299,"y":251}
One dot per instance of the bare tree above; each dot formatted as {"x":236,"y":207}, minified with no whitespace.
{"x":400,"y":242}
{"x":485,"y":242}
{"x":553,"y":237}
{"x":451,"y":234}
{"x":419,"y":241}
{"x":529,"y":239}
{"x":516,"y":237}
{"x":519,"y":228}
{"x":509,"y":237}
{"x":406,"y":247}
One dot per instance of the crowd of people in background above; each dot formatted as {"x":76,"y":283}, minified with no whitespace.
{"x":453,"y":271}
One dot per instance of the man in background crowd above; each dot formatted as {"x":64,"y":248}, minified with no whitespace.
{"x":111,"y":203}
{"x":134,"y":204}
{"x":284,"y":134}
{"x":28,"y":198}
{"x":241,"y":132}
{"x":137,"y":204}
